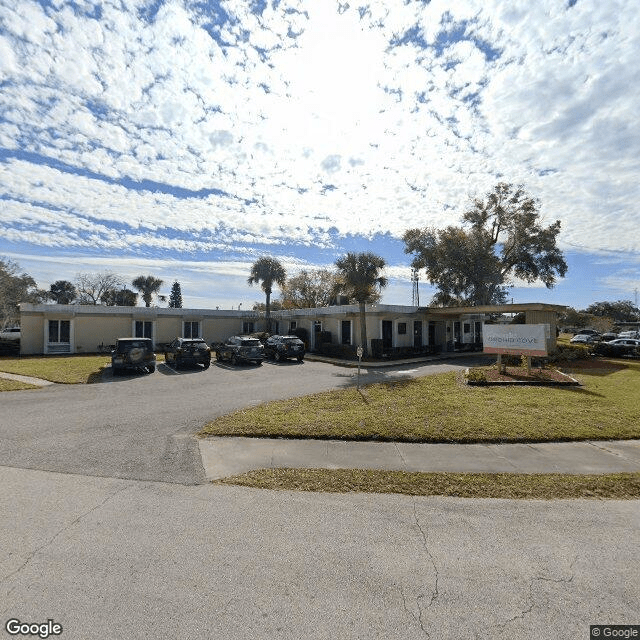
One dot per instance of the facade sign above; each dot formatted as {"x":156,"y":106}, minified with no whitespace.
{"x":527,"y":339}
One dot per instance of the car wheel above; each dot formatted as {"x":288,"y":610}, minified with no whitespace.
{"x":151,"y":368}
{"x":207,"y":364}
{"x":234,"y":360}
{"x":117,"y":371}
{"x":277,"y":356}
{"x":300,"y":359}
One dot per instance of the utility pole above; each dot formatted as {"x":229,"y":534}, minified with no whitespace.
{"x":415,"y":295}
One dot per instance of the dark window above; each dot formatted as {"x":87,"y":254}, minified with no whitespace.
{"x":60,"y":331}
{"x":467,"y":327}
{"x":144,"y":329}
{"x":317,"y":326}
{"x":293,"y":325}
{"x":191,"y":330}
{"x":402,"y":328}
{"x":247,"y":327}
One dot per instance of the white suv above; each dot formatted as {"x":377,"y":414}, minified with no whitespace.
{"x":10,"y":333}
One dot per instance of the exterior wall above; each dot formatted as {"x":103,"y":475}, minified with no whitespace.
{"x":32,"y":334}
{"x":545,"y":317}
{"x":89,"y":332}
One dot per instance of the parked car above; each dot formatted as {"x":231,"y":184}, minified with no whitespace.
{"x":588,"y":332}
{"x":618,"y":348}
{"x":606,"y":337}
{"x":629,"y":334}
{"x":240,"y":349}
{"x":10,"y":333}
{"x":284,"y":347}
{"x":583,"y":338}
{"x":133,"y":354}
{"x":191,"y":351}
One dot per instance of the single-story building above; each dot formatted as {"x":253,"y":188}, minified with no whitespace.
{"x":54,"y":328}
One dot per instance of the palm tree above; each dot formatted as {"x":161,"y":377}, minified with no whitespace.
{"x":267,"y":271}
{"x":361,"y":280}
{"x":147,"y":286}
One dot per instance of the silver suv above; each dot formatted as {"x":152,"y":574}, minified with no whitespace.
{"x":240,"y":349}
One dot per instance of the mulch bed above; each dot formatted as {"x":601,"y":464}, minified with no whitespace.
{"x":515,"y":375}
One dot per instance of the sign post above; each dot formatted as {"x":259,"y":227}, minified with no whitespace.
{"x":359,"y":354}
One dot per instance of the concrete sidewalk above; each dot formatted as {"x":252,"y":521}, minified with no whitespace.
{"x":38,"y":382}
{"x":223,"y":457}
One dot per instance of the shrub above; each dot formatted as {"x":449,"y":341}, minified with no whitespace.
{"x":475,"y":376}
{"x":345,"y":351}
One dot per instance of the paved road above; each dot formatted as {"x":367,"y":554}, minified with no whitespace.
{"x":116,"y":559}
{"x":141,"y":427}
{"x":110,"y":557}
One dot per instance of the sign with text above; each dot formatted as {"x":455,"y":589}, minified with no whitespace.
{"x":527,"y":339}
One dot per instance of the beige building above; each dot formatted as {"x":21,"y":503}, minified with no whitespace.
{"x":51,"y":328}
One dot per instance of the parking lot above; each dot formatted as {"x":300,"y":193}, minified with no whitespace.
{"x":141,"y":426}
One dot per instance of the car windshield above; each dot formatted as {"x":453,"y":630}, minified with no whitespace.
{"x":123,"y":347}
{"x":251,"y":343}
{"x":291,"y":340}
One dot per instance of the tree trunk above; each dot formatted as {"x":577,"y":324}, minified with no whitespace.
{"x":363,"y":330}
{"x":268,"y":312}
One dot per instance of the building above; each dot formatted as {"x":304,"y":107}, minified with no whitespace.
{"x":55,"y":329}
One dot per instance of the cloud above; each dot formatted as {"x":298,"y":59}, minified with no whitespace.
{"x":211,"y":128}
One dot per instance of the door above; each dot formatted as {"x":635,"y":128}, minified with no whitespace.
{"x":387,"y":334}
{"x":345,"y":330}
{"x":432,"y":333}
{"x":417,"y":333}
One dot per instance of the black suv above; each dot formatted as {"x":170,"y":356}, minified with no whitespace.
{"x":284,"y":347}
{"x":187,"y":351}
{"x":133,"y":354}
{"x":241,"y":349}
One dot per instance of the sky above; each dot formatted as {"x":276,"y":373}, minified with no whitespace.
{"x":184,"y":139}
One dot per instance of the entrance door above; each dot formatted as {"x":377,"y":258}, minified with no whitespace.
{"x":387,"y":334}
{"x":417,"y":333}
{"x":432,"y":333}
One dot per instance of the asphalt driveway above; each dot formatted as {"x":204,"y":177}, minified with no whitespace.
{"x":141,"y":427}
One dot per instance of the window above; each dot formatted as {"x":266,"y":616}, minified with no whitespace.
{"x":467,"y":327}
{"x":402,"y":328}
{"x":247,"y":326}
{"x":317,"y":326}
{"x":191,"y":330}
{"x":59,"y":331}
{"x":143,"y":329}
{"x":346,"y":332}
{"x":293,"y":325}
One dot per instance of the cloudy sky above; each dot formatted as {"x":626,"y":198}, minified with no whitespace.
{"x":185,"y":138}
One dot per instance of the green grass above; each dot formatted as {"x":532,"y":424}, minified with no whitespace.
{"x":441,"y":408}
{"x":15,"y":385}
{"x":61,"y":369}
{"x":619,"y":486}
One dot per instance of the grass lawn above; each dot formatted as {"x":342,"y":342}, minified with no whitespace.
{"x":15,"y":385}
{"x":441,"y":408}
{"x":551,"y":486}
{"x":62,"y":369}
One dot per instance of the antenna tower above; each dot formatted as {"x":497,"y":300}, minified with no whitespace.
{"x":415,"y":296}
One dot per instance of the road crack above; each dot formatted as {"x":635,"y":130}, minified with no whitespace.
{"x":434,"y":592}
{"x":58,"y":533}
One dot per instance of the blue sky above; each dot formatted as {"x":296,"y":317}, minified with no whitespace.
{"x":185,"y":139}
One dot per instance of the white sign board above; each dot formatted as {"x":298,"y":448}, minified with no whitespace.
{"x":528,"y":339}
